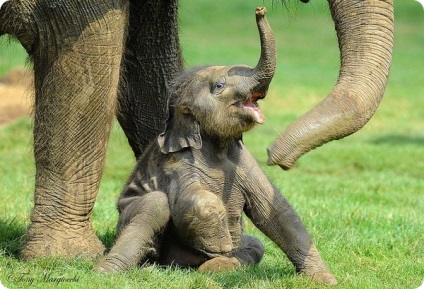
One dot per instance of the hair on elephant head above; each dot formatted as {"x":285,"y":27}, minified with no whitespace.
{"x":183,"y":204}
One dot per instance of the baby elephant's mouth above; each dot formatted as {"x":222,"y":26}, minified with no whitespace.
{"x":251,"y":104}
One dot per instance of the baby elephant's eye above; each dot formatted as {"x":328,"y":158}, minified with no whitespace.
{"x":219,"y":85}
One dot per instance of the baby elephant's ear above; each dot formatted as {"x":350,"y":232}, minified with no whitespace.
{"x":182,"y":131}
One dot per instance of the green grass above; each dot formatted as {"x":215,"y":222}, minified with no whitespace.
{"x":11,"y":55}
{"x":361,"y":198}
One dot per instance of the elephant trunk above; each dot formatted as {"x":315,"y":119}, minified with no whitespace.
{"x":264,"y":70}
{"x":17,"y":20}
{"x":365,"y":36}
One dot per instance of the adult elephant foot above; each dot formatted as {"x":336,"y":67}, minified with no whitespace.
{"x":42,"y":240}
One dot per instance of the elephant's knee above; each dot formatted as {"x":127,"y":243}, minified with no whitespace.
{"x":152,"y":209}
{"x":211,"y":209}
{"x":201,"y":212}
{"x":202,"y":221}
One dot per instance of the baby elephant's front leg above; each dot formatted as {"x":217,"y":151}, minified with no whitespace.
{"x":139,"y":224}
{"x":201,"y":220}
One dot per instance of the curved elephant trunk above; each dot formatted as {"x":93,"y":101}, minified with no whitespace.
{"x":365,"y":36}
{"x":16,"y":19}
{"x":264,"y":70}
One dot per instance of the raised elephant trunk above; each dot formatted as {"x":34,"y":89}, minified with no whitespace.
{"x":264,"y":70}
{"x":365,"y":36}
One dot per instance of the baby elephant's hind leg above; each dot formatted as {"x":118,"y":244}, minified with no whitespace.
{"x":141,"y":221}
{"x":250,"y":252}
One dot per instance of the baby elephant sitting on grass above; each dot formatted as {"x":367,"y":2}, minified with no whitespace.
{"x":183,"y":203}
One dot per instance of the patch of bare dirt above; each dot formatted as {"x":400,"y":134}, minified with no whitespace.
{"x":15,"y":95}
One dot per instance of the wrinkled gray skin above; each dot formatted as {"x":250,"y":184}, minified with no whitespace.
{"x":84,"y":52}
{"x":183,"y":203}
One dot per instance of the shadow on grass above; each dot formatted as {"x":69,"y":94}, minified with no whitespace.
{"x":12,"y":236}
{"x":399,"y":140}
{"x":242,"y":278}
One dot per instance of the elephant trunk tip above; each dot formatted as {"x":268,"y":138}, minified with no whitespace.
{"x":274,"y":159}
{"x":260,"y":11}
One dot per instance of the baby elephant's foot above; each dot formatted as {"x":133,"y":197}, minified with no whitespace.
{"x":105,"y":267}
{"x":323,"y":276}
{"x":108,"y":265}
{"x":220,"y":264}
{"x":315,"y":268}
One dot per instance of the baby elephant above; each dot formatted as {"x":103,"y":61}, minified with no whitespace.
{"x":183,"y":203}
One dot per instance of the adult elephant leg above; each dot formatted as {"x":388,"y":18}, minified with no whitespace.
{"x":77,"y":53}
{"x":152,"y":58}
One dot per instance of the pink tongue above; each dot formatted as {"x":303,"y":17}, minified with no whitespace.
{"x":259,"y":117}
